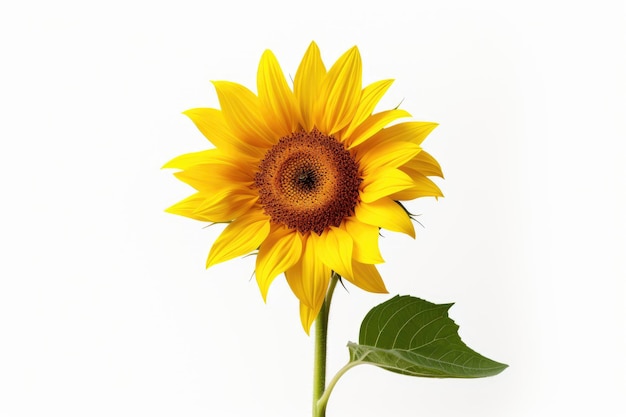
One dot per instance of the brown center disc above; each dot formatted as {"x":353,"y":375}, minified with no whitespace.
{"x":308,"y":181}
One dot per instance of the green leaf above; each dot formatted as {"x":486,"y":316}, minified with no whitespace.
{"x":414,"y":337}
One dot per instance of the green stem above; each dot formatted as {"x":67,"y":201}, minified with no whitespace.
{"x":319,"y":365}
{"x":324,"y":398}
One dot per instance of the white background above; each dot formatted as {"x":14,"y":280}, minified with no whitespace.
{"x":106,"y":308}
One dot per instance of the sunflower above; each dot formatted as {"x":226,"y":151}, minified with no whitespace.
{"x":306,"y":176}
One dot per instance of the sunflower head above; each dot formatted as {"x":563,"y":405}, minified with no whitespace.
{"x":307,"y":175}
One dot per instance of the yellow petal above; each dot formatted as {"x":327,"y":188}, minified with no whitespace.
{"x":373,"y":125}
{"x":370,"y":96}
{"x":226,"y":204}
{"x":340,"y":93}
{"x":241,"y":110}
{"x":294,"y":276}
{"x":277,"y":100}
{"x":387,"y":214}
{"x":308,"y":316}
{"x":389,"y":154}
{"x":235,"y":160}
{"x":240,"y":237}
{"x":414,"y":132}
{"x":423,"y":163}
{"x":335,"y":250}
{"x":365,"y":238}
{"x":194,"y":158}
{"x":204,"y":177}
{"x":280,"y":251}
{"x":309,"y":278}
{"x":188,"y":207}
{"x":368,"y":278}
{"x":213,"y":126}
{"x":383,"y":182}
{"x":423,"y":187}
{"x":307,"y":84}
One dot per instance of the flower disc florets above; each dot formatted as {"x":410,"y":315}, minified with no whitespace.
{"x":308,"y":181}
